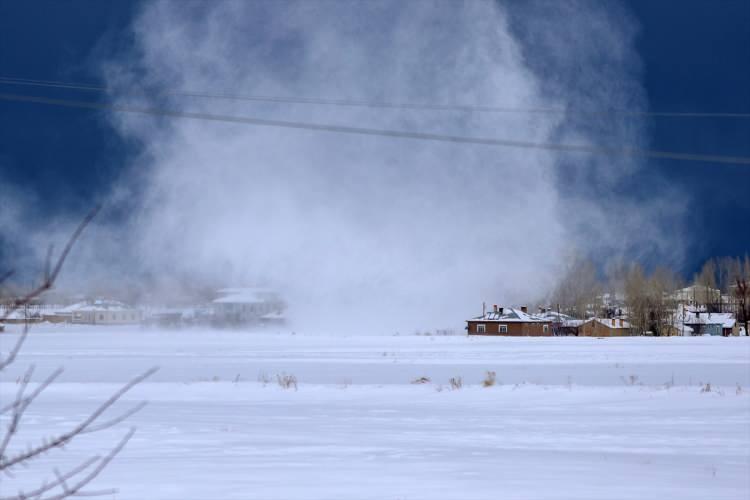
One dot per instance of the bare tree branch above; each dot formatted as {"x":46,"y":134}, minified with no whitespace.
{"x":59,"y":482}
{"x":30,"y":398}
{"x":51,"y":276}
{"x":72,"y":482}
{"x":4,"y":363}
{"x":66,"y":437}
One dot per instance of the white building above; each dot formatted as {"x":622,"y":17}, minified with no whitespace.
{"x":248,"y":305}
{"x":697,"y":294}
{"x":104,"y":312}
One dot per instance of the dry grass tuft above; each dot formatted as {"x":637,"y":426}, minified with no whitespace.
{"x":287,"y":381}
{"x":489,"y":379}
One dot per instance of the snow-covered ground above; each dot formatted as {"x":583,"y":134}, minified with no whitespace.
{"x":569,"y":417}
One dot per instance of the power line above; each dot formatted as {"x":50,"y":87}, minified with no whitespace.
{"x":369,"y":104}
{"x":571,"y":148}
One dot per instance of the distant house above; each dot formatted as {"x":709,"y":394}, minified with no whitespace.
{"x":62,"y":314}
{"x":562,"y":324}
{"x":23,"y":315}
{"x":677,"y":330}
{"x":511,"y":322}
{"x":702,"y":322}
{"x":605,"y":327}
{"x":697,"y":294}
{"x":104,"y":312}
{"x":237,"y":306}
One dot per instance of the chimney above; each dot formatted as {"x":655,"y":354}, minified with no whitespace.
{"x":524,"y":309}
{"x":494,"y":308}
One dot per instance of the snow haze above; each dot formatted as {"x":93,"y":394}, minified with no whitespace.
{"x":388,"y":234}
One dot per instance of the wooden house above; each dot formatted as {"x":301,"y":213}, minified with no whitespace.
{"x":605,"y":327}
{"x":510,"y":322}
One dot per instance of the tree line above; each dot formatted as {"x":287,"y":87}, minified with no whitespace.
{"x":650,"y":298}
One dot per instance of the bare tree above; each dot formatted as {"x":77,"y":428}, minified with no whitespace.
{"x":742,"y":295}
{"x":706,"y":285}
{"x":662,"y":306}
{"x":636,"y":298}
{"x":75,"y":481}
{"x":579,"y":291}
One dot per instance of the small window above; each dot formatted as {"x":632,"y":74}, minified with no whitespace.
{"x":101,"y":317}
{"x":132,"y":316}
{"x":114,"y":316}
{"x":480,"y":328}
{"x":503,"y":328}
{"x":545,"y":328}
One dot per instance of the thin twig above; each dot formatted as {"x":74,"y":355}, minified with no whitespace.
{"x":52,"y":275}
{"x":58,"y":482}
{"x":63,"y":439}
{"x":41,"y":387}
{"x":77,"y":487}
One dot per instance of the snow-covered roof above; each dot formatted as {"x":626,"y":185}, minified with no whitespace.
{"x":618,"y":322}
{"x":18,"y":314}
{"x":103,"y":305}
{"x":71,"y":308}
{"x":511,"y":315}
{"x":726,"y":320}
{"x":557,"y":317}
{"x":245,"y":295}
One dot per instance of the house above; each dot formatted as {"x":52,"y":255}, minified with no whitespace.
{"x":511,"y":322}
{"x":702,"y":322}
{"x":562,"y":324}
{"x":22,"y":315}
{"x":697,"y":294}
{"x":104,"y":312}
{"x":237,"y":306}
{"x":678,"y":330}
{"x":605,"y":327}
{"x":62,"y":314}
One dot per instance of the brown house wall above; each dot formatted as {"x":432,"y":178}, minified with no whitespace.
{"x":597,"y":329}
{"x":514,"y":329}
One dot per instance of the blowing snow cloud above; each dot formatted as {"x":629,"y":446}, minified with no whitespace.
{"x":381,"y":233}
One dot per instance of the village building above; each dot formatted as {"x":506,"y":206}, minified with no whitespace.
{"x":62,"y":314}
{"x":22,"y":315}
{"x":243,"y":306}
{"x":511,"y":322}
{"x":697,"y":295}
{"x":104,"y":312}
{"x":605,"y":327}
{"x":702,"y":322}
{"x":562,"y":324}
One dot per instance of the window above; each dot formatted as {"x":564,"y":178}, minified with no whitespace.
{"x":101,"y":317}
{"x":545,"y":328}
{"x":480,"y":328}
{"x":503,"y":328}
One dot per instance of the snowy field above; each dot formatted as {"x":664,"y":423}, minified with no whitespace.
{"x":568,"y":418}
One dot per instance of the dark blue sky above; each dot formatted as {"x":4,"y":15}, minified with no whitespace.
{"x":696,"y":56}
